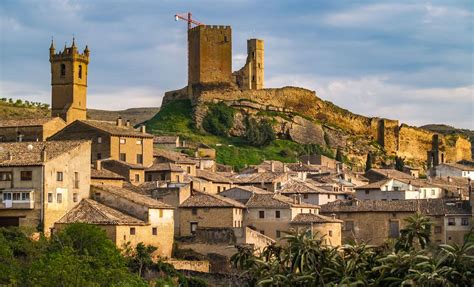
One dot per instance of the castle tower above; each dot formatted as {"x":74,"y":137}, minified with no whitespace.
{"x":209,"y":55}
{"x":69,"y":82}
{"x":255,"y":55}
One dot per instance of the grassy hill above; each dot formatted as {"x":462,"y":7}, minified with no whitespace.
{"x":176,"y":118}
{"x":17,"y":110}
{"x":135,"y":115}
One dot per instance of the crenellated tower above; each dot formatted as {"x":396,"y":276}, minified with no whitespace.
{"x":69,"y":82}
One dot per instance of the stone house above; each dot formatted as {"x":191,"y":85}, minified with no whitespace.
{"x":311,"y":193}
{"x":157,"y":215}
{"x":164,"y":172}
{"x":212,"y":182}
{"x":378,"y":174}
{"x":41,"y":181}
{"x":166,"y":142}
{"x":397,"y":189}
{"x":112,"y":141}
{"x":183,"y":161}
{"x":133,"y":173}
{"x":454,"y":170}
{"x":376,"y":221}
{"x":320,"y":224}
{"x":319,"y":159}
{"x":271,"y":181}
{"x":205,"y":210}
{"x":102,"y":176}
{"x":29,"y":130}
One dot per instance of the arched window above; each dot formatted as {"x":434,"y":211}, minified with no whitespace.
{"x":63,"y":70}
{"x":80,"y":71}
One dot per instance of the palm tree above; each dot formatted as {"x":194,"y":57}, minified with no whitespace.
{"x":418,"y":228}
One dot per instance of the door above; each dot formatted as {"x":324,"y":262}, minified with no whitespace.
{"x":9,"y":221}
{"x":394,"y":229}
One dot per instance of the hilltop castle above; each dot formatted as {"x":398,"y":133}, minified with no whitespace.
{"x":69,"y":82}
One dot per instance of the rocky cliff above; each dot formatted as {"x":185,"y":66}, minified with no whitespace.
{"x":298,"y":114}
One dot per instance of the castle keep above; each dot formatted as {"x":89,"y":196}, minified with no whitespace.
{"x":69,"y":82}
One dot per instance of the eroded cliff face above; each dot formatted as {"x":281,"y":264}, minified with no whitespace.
{"x":298,"y":114}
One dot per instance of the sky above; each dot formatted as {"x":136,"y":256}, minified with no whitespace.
{"x":406,"y":60}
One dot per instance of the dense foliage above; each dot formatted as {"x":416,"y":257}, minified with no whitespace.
{"x":306,"y":261}
{"x":399,"y":163}
{"x":259,"y":133}
{"x":368,"y":162}
{"x":79,"y":255}
{"x":219,"y":119}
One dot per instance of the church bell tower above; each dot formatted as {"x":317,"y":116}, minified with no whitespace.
{"x":69,"y":82}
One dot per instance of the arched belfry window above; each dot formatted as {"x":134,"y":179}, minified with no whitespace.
{"x":80,"y":72}
{"x":63,"y":70}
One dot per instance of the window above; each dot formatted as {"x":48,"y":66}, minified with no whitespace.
{"x":7,"y":196}
{"x":59,"y":176}
{"x":329,"y":196}
{"x":394,"y":229}
{"x":50,"y":197}
{"x":149,"y":177}
{"x":305,"y":196}
{"x":451,"y":221}
{"x":59,"y":198}
{"x":437,"y":229}
{"x":261,"y":214}
{"x":76,"y":180}
{"x":132,"y":230}
{"x":123,"y":157}
{"x":138,"y":142}
{"x":188,"y":169}
{"x":277,"y":214}
{"x":25,"y":196}
{"x":218,"y":189}
{"x":63,"y":70}
{"x":26,"y":175}
{"x":99,"y":140}
{"x":139,"y":158}
{"x":225,"y":39}
{"x":137,"y":177}
{"x":278,"y":234}
{"x":16,"y":196}
{"x":5,"y":176}
{"x":122,"y":141}
{"x":349,"y":225}
{"x":465,"y":221}
{"x":194,"y":226}
{"x":154,"y":231}
{"x":74,"y":197}
{"x":160,"y":213}
{"x":433,"y":192}
{"x":99,"y":155}
{"x":367,"y":192}
{"x":330,"y":233}
{"x":79,"y":74}
{"x":194,"y":211}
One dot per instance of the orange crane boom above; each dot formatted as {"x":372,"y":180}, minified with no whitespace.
{"x":187,"y":17}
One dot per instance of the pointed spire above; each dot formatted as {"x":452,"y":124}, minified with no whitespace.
{"x":52,"y":44}
{"x":86,"y":51}
{"x":73,"y":41}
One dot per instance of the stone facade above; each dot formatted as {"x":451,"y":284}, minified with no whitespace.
{"x":215,"y":217}
{"x":251,"y":76}
{"x":29,"y":129}
{"x":69,"y":70}
{"x":54,"y":187}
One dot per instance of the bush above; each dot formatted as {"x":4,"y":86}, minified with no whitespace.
{"x":219,"y":119}
{"x":259,"y":134}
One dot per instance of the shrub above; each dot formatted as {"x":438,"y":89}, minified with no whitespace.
{"x":259,"y":134}
{"x":219,"y":119}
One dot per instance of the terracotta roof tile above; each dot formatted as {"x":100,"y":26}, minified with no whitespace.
{"x":115,"y":130}
{"x":202,"y":199}
{"x":91,"y":212}
{"x":300,"y":187}
{"x":105,"y":174}
{"x":130,"y":196}
{"x":308,"y":218}
{"x":275,"y":200}
{"x":167,"y":166}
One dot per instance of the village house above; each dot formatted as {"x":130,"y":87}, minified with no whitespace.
{"x":102,"y":176}
{"x":30,"y":130}
{"x":166,"y":171}
{"x":311,"y":193}
{"x":376,"y":221}
{"x":454,"y":170}
{"x":205,"y":210}
{"x":166,"y":142}
{"x":397,"y":189}
{"x":41,"y":181}
{"x":319,"y":224}
{"x":321,"y":160}
{"x":133,"y":173}
{"x":157,"y":216}
{"x":112,"y":141}
{"x":212,"y":182}
{"x":378,"y":174}
{"x":271,"y":181}
{"x":183,"y":161}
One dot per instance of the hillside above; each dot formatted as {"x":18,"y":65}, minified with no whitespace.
{"x":20,"y":109}
{"x":449,"y":130}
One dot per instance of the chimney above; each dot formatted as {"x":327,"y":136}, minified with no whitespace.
{"x":333,"y":216}
{"x":450,"y":179}
{"x":143,"y":129}
{"x":272,"y":166}
{"x":119,"y":121}
{"x":127,"y":124}
{"x":98,"y":165}
{"x":43,"y":155}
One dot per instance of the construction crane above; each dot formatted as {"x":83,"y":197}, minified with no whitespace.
{"x":187,"y":17}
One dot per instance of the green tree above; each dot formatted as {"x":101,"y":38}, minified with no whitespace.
{"x":418,"y":229}
{"x":140,"y":259}
{"x":399,"y":163}
{"x":219,"y":119}
{"x":368,"y":162}
{"x":339,"y":155}
{"x":259,"y":133}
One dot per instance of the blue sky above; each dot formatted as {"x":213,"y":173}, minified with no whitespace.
{"x":406,"y":60}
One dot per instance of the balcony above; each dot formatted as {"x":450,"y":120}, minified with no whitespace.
{"x":17,"y":199}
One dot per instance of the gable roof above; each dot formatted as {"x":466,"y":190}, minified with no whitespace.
{"x":34,"y":153}
{"x":300,"y":187}
{"x":131,"y":196}
{"x":459,"y":166}
{"x":389,"y":173}
{"x":258,"y":178}
{"x":308,"y":218}
{"x":173,"y":156}
{"x":275,"y":200}
{"x":113,"y":129}
{"x":105,"y":174}
{"x":203,"y":199}
{"x":437,"y":206}
{"x":166,"y":166}
{"x":33,"y":122}
{"x":250,"y":189}
{"x":92,"y":212}
{"x":213,"y":176}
